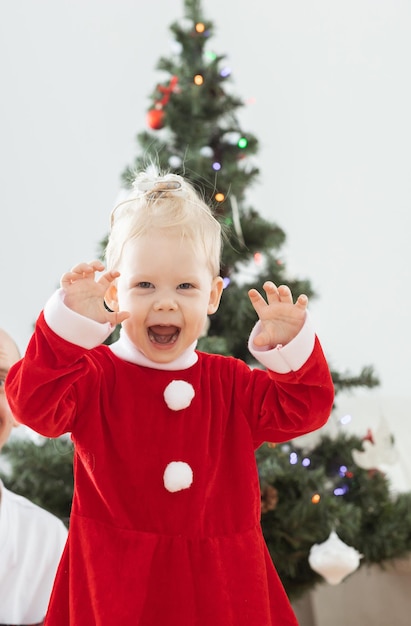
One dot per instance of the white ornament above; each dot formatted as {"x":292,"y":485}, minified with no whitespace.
{"x":176,"y":47}
{"x":333,"y":559}
{"x":178,"y":395}
{"x":377,"y":452}
{"x":186,"y":24}
{"x":175,"y":161}
{"x":232,"y":137}
{"x":177,"y":476}
{"x":207,"y":152}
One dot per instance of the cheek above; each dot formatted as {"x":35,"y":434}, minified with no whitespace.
{"x":198,"y":315}
{"x":137,"y":307}
{"x":134,"y":326}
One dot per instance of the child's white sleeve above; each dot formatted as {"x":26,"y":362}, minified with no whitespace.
{"x":73,"y":327}
{"x":288,"y":358}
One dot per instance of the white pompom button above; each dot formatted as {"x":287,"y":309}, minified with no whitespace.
{"x":178,"y":395}
{"x":177,"y":476}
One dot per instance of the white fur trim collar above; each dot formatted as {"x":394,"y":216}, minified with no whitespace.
{"x":126,"y":350}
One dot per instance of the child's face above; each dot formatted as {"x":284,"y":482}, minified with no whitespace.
{"x":168,"y":289}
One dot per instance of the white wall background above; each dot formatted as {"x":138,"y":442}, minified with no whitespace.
{"x":332,"y":107}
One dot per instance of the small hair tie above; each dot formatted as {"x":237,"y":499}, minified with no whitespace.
{"x":160,"y":185}
{"x":107,"y":307}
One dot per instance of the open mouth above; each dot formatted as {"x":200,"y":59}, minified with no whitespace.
{"x":163,"y":334}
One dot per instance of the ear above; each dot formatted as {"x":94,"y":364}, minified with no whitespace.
{"x":215,"y":295}
{"x":110,"y":297}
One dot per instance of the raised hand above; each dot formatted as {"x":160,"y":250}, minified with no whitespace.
{"x":85,"y":295}
{"x":280,"y":318}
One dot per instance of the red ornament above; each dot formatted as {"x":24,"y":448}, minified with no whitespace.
{"x":155,"y":119}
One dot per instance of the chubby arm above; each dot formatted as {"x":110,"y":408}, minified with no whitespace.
{"x":301,"y":394}
{"x":43,"y":388}
{"x":282,"y":406}
{"x":52,"y":383}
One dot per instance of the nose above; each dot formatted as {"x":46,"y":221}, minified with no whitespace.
{"x":165,"y":302}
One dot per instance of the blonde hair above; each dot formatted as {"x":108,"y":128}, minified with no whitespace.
{"x":169,"y":203}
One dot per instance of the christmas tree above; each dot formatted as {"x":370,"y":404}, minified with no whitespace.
{"x":194,"y":130}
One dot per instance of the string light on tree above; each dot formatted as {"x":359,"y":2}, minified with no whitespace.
{"x":345,"y":419}
{"x":198,"y":79}
{"x":293,"y":458}
{"x":211,"y":55}
{"x":242,"y":143}
{"x":200,"y":29}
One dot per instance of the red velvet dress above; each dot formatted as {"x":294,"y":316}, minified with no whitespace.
{"x":151,"y":543}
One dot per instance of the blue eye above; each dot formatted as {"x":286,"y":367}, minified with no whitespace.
{"x":144,"y":284}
